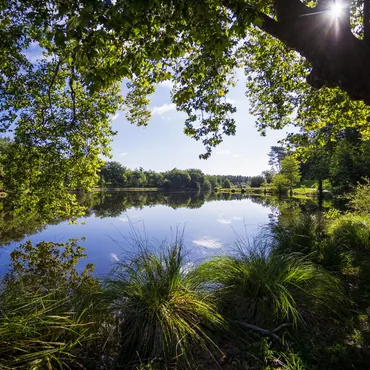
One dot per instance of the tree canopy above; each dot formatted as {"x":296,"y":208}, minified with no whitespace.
{"x":304,"y":65}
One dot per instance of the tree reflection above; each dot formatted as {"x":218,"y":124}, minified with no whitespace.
{"x":19,"y":221}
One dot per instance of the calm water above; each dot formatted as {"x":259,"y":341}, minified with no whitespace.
{"x":209,"y":224}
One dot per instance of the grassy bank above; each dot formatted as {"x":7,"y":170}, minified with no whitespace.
{"x":295,"y":298}
{"x":309,"y":192}
{"x":127,"y":189}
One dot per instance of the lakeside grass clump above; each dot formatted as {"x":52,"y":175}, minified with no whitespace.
{"x":162,"y":316}
{"x":267,"y":289}
{"x":40,"y":330}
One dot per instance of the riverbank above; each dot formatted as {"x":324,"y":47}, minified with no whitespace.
{"x":309,"y":192}
{"x":127,"y":189}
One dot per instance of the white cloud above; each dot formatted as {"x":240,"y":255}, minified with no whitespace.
{"x":162,"y":109}
{"x":223,"y":221}
{"x":124,"y":154}
{"x":231,"y":101}
{"x":167,"y":84}
{"x":236,"y":155}
{"x":224,"y":152}
{"x":115,"y":117}
{"x":114,"y":257}
{"x":236,"y":218}
{"x":208,"y":243}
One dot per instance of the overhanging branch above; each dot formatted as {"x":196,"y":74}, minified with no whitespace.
{"x":270,"y":26}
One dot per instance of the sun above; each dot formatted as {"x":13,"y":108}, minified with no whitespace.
{"x":336,"y":9}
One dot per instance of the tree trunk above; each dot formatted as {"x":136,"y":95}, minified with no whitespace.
{"x":320,"y":195}
{"x":338,"y":58}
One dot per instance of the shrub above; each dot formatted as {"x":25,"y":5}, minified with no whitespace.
{"x":352,"y":231}
{"x":359,"y":200}
{"x":280,"y":183}
{"x":161,"y":313}
{"x":300,"y":235}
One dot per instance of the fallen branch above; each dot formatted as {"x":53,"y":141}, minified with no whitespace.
{"x":271,"y":333}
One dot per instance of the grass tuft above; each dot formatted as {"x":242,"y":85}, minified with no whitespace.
{"x":268,"y":289}
{"x":162,"y":316}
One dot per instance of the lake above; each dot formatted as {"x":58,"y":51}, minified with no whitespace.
{"x":209,"y":223}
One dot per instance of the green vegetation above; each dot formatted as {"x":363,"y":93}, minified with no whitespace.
{"x":115,"y":175}
{"x":162,"y":315}
{"x":49,"y":310}
{"x":268,"y":289}
{"x":303,"y":302}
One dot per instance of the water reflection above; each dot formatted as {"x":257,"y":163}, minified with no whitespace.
{"x":16,"y":225}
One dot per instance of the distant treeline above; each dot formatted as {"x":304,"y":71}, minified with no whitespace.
{"x":115,"y":175}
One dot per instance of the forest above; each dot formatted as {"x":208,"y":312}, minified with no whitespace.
{"x":296,"y":295}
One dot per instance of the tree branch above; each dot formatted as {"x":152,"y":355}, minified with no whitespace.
{"x":73,"y":94}
{"x":282,"y":326}
{"x":52,"y":83}
{"x":266,"y":332}
{"x":270,"y":26}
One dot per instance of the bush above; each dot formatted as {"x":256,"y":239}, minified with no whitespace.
{"x":359,"y":200}
{"x":280,"y":184}
{"x":161,"y":313}
{"x":299,"y":236}
{"x":352,"y":231}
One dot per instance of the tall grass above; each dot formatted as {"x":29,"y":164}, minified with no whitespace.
{"x":299,"y":235}
{"x":37,"y":331}
{"x":352,"y":231}
{"x":161,"y":314}
{"x":268,"y":289}
{"x":49,"y":313}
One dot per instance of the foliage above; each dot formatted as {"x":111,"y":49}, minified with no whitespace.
{"x":290,"y":169}
{"x":227,"y":184}
{"x":343,"y":159}
{"x":269,"y":289}
{"x":280,"y":183}
{"x":276,"y":155}
{"x":352,"y":231}
{"x":50,"y":312}
{"x":359,"y":200}
{"x":257,"y":181}
{"x":268,"y":175}
{"x":47,"y":264}
{"x":160,"y":312}
{"x":115,"y":175}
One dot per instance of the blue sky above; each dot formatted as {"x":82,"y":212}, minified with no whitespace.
{"x":162,"y":145}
